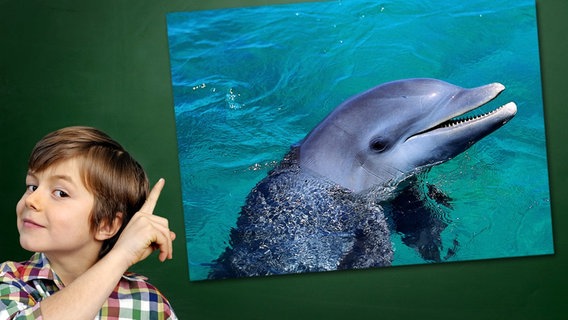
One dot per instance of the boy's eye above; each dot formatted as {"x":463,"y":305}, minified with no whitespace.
{"x":31,"y":188}
{"x":60,"y":194}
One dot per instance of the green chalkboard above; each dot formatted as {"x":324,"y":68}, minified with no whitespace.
{"x":105,"y":63}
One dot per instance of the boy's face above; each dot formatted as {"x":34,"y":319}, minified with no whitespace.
{"x":54,"y":212}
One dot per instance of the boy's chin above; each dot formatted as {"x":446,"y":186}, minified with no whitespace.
{"x":28,"y":245}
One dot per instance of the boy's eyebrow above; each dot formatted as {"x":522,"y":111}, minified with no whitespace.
{"x":55,"y":177}
{"x":31,"y":174}
{"x":63,"y":177}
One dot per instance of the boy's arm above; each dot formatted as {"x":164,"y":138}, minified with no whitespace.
{"x":84,"y":297}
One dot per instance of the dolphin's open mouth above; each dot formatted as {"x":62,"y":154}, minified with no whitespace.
{"x":463,"y":117}
{"x":503,"y":114}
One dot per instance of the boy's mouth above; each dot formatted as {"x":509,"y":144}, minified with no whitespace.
{"x":31,"y":224}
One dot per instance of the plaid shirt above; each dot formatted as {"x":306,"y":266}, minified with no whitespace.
{"x":24,"y":285}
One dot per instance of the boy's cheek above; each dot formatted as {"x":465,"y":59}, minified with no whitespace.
{"x":19,"y":210}
{"x":20,"y":206}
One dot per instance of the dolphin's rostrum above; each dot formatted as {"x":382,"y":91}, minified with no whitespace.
{"x":335,"y":198}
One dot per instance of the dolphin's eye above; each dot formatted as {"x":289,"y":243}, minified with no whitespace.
{"x":378,"y":145}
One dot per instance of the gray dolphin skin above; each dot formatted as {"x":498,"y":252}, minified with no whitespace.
{"x":336,"y":197}
{"x":395,"y":128}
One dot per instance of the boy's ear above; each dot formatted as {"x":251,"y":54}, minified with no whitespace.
{"x":108,"y":230}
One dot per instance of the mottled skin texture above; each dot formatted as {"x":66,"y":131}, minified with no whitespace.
{"x":293,"y":222}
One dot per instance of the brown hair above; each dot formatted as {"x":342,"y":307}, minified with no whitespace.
{"x":117,"y":181}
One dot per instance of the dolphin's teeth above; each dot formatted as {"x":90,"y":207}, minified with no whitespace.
{"x":454,"y":122}
{"x":458,"y":121}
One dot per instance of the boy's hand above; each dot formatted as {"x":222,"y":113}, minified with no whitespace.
{"x":146,"y":232}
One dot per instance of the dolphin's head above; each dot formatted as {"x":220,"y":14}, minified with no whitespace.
{"x":394,"y":129}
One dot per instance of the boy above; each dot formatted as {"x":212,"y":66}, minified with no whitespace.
{"x":88,"y":215}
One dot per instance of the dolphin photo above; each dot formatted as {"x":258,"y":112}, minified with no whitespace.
{"x":345,"y":135}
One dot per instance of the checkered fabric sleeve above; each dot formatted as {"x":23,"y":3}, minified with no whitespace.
{"x":134,"y":298}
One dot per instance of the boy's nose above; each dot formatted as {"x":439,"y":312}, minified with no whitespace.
{"x":33,"y":200}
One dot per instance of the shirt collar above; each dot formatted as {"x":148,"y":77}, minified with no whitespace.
{"x":38,"y":267}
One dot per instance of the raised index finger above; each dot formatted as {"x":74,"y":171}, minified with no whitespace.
{"x":150,"y":204}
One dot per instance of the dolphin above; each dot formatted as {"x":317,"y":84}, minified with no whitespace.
{"x":396,"y":128}
{"x":323,"y":207}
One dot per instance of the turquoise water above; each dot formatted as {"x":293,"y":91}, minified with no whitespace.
{"x":249,"y":82}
